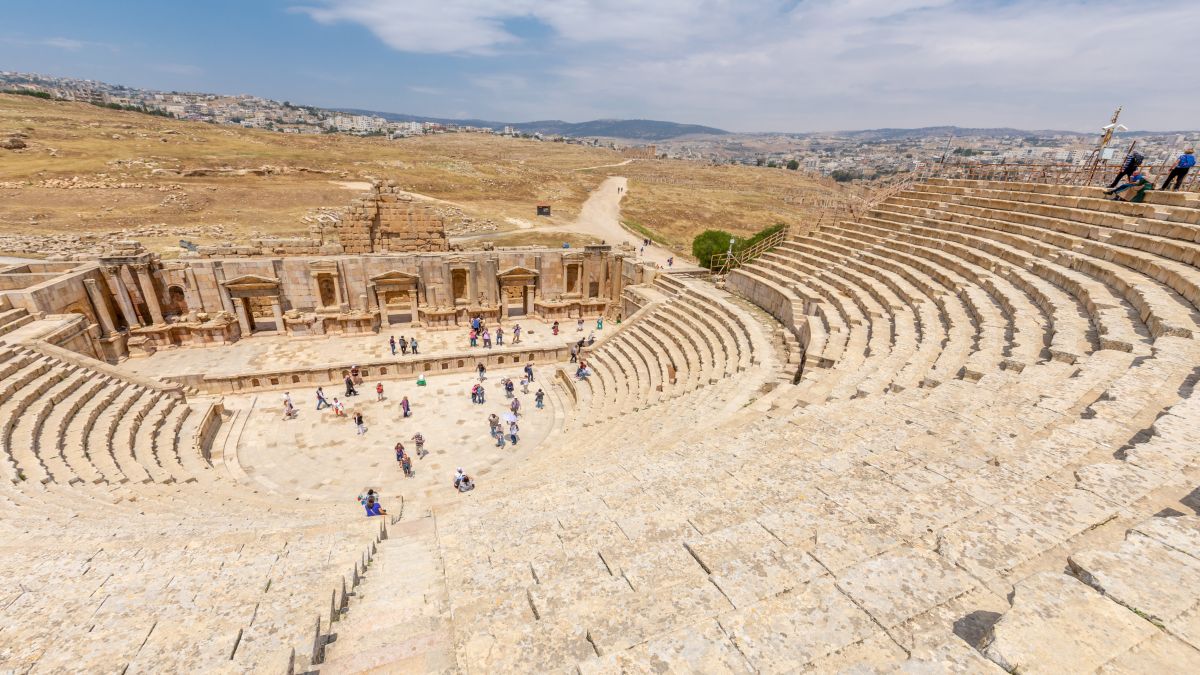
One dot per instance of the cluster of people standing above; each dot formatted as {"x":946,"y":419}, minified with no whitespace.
{"x":1137,"y":181}
{"x":480,"y":333}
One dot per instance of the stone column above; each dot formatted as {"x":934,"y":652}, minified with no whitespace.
{"x":277,"y":312}
{"x":122,"y":293}
{"x":243,"y":320}
{"x":191,"y":291}
{"x":412,"y":303}
{"x":148,"y":292}
{"x":222,"y":292}
{"x":106,"y":319}
{"x":380,"y":305}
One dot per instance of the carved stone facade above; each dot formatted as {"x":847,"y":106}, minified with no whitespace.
{"x":139,"y":303}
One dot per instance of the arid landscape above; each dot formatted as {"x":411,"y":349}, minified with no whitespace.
{"x":86,"y":174}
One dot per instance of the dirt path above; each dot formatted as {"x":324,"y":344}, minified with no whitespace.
{"x":603,"y":166}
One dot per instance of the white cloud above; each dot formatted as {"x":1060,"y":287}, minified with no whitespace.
{"x":772,"y":64}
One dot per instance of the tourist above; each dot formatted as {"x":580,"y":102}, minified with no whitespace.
{"x":473,"y":337}
{"x":1135,"y":190}
{"x":591,"y":339}
{"x":554,"y":328}
{"x":475,"y":393}
{"x":482,"y":394}
{"x":406,"y":466}
{"x":512,"y":432}
{"x":392,"y":344}
{"x":579,"y":325}
{"x":539,"y":398}
{"x":574,"y":353}
{"x":321,"y":402}
{"x":525,"y":384}
{"x":1186,"y":161}
{"x":339,"y":410}
{"x":379,"y":391}
{"x":359,"y":424}
{"x":515,"y":406}
{"x":517,"y":334}
{"x":403,"y":347}
{"x":476,"y":323}
{"x":404,"y":406}
{"x":529,"y":371}
{"x":356,"y":374}
{"x":403,"y":460}
{"x":412,"y":345}
{"x":374,"y":508}
{"x":419,"y":440}
{"x":499,"y":336}
{"x":1132,"y":161}
{"x":599,"y":323}
{"x":350,"y":390}
{"x":508,"y":388}
{"x":463,"y":482}
{"x":482,"y":370}
{"x":289,"y":410}
{"x":493,"y":422}
{"x":487,"y":339}
{"x":498,"y":435}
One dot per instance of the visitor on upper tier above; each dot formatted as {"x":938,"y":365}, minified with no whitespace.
{"x":1132,"y":161}
{"x":1186,"y":161}
{"x":350,"y":390}
{"x":412,"y":345}
{"x":554,"y":328}
{"x":540,"y":398}
{"x":321,"y":402}
{"x":517,"y":334}
{"x":392,"y":344}
{"x":403,"y":347}
{"x":379,"y":391}
{"x":499,"y":336}
{"x":529,"y":371}
{"x":473,"y":337}
{"x":1135,"y":190}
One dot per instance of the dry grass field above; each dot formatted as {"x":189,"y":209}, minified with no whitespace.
{"x":89,"y":174}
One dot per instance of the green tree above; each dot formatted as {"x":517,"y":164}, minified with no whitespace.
{"x":709,"y":243}
{"x":792,"y":165}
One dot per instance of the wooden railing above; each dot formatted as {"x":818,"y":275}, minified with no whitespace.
{"x":724,"y":262}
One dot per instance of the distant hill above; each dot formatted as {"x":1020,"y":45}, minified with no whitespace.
{"x":638,"y":130}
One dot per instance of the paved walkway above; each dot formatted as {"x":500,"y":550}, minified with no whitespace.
{"x":264,"y":353}
{"x":320,"y":456}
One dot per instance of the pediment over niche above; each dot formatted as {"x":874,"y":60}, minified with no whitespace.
{"x":251,"y":281}
{"x":396,"y":277}
{"x":315,"y":266}
{"x":517,"y":271}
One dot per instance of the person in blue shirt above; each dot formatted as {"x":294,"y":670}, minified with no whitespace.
{"x":1186,"y":161}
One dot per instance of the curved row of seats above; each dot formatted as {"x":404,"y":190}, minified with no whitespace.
{"x":688,"y":340}
{"x":69,"y":424}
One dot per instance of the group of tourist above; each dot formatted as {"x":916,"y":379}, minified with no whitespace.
{"x":479,"y":332}
{"x":404,"y":460}
{"x":1138,"y":181}
{"x":404,"y":345}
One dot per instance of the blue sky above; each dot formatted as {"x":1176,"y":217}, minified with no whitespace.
{"x":749,"y":65}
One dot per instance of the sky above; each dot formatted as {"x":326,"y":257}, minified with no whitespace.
{"x":741,"y":65}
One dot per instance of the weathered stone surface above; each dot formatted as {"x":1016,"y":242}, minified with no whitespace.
{"x":896,"y":586}
{"x":1057,"y":624}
